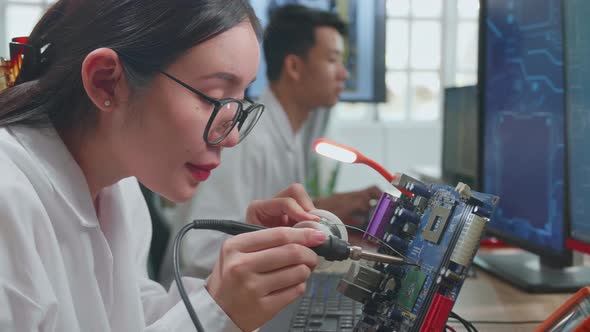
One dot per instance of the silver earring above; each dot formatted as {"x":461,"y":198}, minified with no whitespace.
{"x":107,"y":103}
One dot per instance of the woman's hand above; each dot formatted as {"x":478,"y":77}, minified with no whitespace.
{"x":286,"y":209}
{"x":260,"y":273}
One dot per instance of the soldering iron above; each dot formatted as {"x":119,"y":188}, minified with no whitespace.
{"x":333,"y":249}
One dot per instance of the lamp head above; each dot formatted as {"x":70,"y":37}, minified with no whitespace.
{"x":335,"y":151}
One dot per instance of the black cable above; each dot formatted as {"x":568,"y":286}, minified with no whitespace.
{"x":468,"y":325}
{"x":494,"y":322}
{"x":177,"y":277}
{"x":227,"y":226}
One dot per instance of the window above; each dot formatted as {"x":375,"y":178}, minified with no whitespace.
{"x":17,"y":19}
{"x":430,"y":45}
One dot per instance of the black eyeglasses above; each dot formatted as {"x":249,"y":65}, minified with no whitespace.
{"x":227,"y":114}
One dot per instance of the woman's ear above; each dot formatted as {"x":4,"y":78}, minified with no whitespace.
{"x":104,"y":80}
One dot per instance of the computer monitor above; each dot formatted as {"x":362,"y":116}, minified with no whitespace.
{"x":577,"y":39}
{"x":460,"y":136}
{"x":523,"y":142}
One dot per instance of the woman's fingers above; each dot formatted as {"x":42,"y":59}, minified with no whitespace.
{"x":272,"y":212}
{"x":270,"y":260}
{"x":259,"y":273}
{"x":281,"y":298}
{"x":284,"y":278}
{"x":298,"y":193}
{"x":274,"y":237}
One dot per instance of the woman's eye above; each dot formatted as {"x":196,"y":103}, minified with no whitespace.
{"x":227,"y":124}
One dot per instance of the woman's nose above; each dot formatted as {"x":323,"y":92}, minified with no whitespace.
{"x":232,"y":139}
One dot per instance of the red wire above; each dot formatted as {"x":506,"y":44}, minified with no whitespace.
{"x":381,"y":170}
{"x":376,"y":166}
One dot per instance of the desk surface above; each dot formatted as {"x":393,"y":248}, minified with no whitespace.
{"x":486,"y":298}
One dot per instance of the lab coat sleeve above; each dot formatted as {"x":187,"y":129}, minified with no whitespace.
{"x":165,"y":311}
{"x":27,"y":299}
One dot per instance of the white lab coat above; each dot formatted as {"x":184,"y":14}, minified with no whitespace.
{"x":65,"y":268}
{"x":270,"y":159}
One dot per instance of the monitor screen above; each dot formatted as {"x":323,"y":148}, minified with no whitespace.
{"x":523,"y":122}
{"x":577,"y":34}
{"x":460,"y":136}
{"x":365,"y":56}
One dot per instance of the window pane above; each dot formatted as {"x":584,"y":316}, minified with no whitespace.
{"x":468,"y":8}
{"x":463,"y":79}
{"x":425,"y":95}
{"x":397,"y":52}
{"x":397,"y":93}
{"x":426,"y":8}
{"x":20,"y":20}
{"x":352,"y":111}
{"x":467,"y":46}
{"x":426,"y":41}
{"x":398,"y":7}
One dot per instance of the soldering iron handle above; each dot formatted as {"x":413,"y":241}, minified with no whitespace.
{"x":333,"y":249}
{"x":226,"y":226}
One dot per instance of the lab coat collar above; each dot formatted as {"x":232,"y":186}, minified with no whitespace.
{"x":281,"y":126}
{"x":49,"y":153}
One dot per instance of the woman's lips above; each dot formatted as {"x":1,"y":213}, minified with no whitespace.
{"x":200,"y":172}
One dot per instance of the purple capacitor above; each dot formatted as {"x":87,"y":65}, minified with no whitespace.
{"x":383,"y":213}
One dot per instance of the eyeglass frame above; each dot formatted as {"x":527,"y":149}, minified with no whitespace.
{"x":218,"y":104}
{"x":242,"y":113}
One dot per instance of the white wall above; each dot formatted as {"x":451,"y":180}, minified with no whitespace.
{"x":399,"y":147}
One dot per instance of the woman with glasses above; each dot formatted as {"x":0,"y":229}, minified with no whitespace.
{"x":112,"y":92}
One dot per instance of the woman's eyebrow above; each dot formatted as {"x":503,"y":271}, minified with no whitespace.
{"x":227,"y":76}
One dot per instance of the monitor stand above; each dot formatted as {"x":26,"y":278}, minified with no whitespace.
{"x":524,"y":270}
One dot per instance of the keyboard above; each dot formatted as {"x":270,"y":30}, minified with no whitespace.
{"x":323,"y":308}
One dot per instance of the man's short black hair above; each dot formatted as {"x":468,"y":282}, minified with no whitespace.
{"x":292,"y":31}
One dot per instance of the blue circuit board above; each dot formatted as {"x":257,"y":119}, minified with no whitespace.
{"x":438,"y":229}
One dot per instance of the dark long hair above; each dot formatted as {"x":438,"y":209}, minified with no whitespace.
{"x":155,"y":32}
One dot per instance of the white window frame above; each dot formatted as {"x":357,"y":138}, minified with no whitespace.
{"x":450,"y":50}
{"x":408,"y":70}
{"x":447,"y":71}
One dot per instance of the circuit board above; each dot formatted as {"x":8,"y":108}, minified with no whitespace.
{"x":438,"y":229}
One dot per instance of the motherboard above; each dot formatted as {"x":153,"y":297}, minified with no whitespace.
{"x":437,"y":229}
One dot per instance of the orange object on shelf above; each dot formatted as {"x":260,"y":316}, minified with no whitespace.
{"x":9,"y":69}
{"x":572,"y":316}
